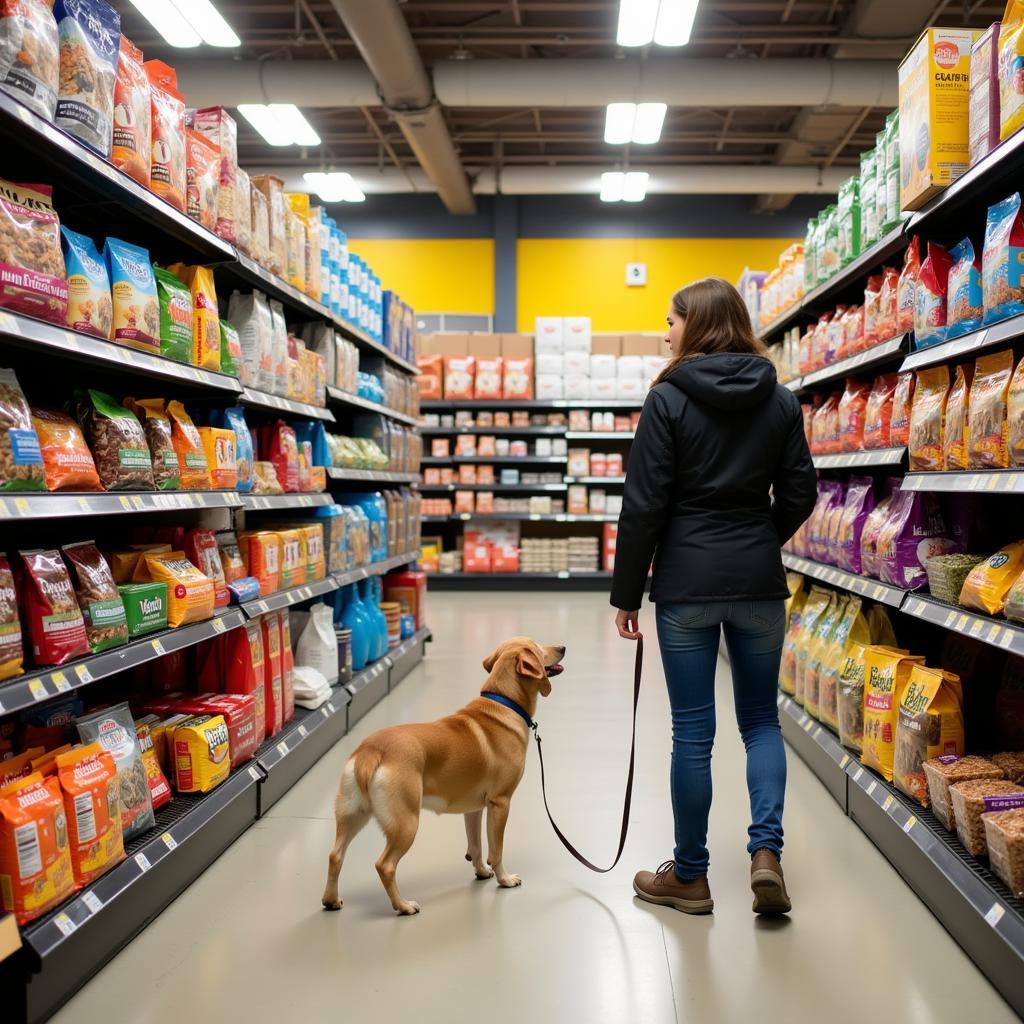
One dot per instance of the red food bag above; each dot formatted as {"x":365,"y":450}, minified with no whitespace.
{"x":851,"y":412}
{"x":281,"y":448}
{"x":239,"y":713}
{"x":203,"y":552}
{"x":272,"y":673}
{"x":245,"y":669}
{"x":287,"y":668}
{"x":902,"y":401}
{"x":878,"y":414}
{"x":872,"y":309}
{"x":907,"y":284}
{"x":930,"y":297}
{"x":55,"y":624}
{"x":886,"y":325}
{"x":169,"y":673}
{"x":167,"y":150}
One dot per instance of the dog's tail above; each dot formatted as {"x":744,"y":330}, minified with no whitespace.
{"x":364,"y":764}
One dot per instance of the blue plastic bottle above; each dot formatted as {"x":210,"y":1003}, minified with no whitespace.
{"x":377,"y":590}
{"x":369,"y":624}
{"x":354,"y":618}
{"x":378,"y":622}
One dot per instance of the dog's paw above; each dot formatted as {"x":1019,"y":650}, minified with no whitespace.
{"x":408,"y":908}
{"x":333,"y":904}
{"x":510,"y":881}
{"x":482,"y":874}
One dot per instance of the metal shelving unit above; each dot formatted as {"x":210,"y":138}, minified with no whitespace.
{"x":861,"y":460}
{"x":871,"y":358}
{"x":263,"y":400}
{"x":497,"y":431}
{"x":883,"y":593}
{"x":533,"y":517}
{"x":372,"y":476}
{"x":573,"y":580}
{"x":504,"y":460}
{"x":533,"y":404}
{"x":1004,"y":332}
{"x":496,"y":488}
{"x":991,"y":481}
{"x":599,"y":435}
{"x":344,"y":398}
{"x":44,"y":505}
{"x":276,"y":502}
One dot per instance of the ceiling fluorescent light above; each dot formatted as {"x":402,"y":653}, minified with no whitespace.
{"x":618,"y":123}
{"x":637,"y":21}
{"x":280,"y":124}
{"x":207,"y":21}
{"x":169,"y":22}
{"x":675,"y":22}
{"x":334,"y":186}
{"x":291,"y":117}
{"x":612,"y":184}
{"x":634,"y":187}
{"x":647,"y":123}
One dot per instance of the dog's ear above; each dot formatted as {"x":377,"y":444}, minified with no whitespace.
{"x":491,"y":659}
{"x":529,"y":664}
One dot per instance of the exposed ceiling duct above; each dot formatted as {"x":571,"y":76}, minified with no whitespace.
{"x":382,"y":37}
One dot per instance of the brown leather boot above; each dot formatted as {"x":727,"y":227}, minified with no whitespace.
{"x":768,"y":884}
{"x":662,"y":887}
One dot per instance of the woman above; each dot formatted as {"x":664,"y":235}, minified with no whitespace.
{"x":719,"y":478}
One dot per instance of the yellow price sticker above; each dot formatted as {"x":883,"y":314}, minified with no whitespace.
{"x":125,"y":503}
{"x":22,"y":507}
{"x":61,"y":682}
{"x":37,"y":689}
{"x":909,"y":824}
{"x":889,"y":801}
{"x":83,"y":673}
{"x":158,"y":647}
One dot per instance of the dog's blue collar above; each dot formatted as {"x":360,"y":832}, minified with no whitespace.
{"x":499,"y":698}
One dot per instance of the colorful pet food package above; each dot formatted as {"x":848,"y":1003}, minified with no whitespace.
{"x":157,"y":427}
{"x":89,"y":32}
{"x":205,"y":318}
{"x":930,"y":723}
{"x":202,"y":754}
{"x":244,"y":667}
{"x":230,"y":350}
{"x":954,"y":429}
{"x":928,"y":418}
{"x":983,"y":112}
{"x":239,"y":713}
{"x":190,"y":594}
{"x":1011,"y":65}
{"x":902,"y":404}
{"x":50,"y":609}
{"x":860,"y":502}
{"x":233,"y":418}
{"x":30,"y":54}
{"x":907,"y":285}
{"x":517,"y":382}
{"x":850,"y":697}
{"x":886,"y":677}
{"x":930,"y":297}
{"x":459,"y":373}
{"x":801,"y":625}
{"x":965,"y":310}
{"x":279,"y":348}
{"x":988,"y":584}
{"x":136,"y":308}
{"x":888,"y":301}
{"x":67,"y":461}
{"x":913,"y":533}
{"x":287,"y":666}
{"x":219,"y":127}
{"x":98,"y":597}
{"x":167,"y":150}
{"x":808,"y":640}
{"x":822,"y":638}
{"x":12,"y":657}
{"x":219,"y":445}
{"x":118,"y":442}
{"x":273,"y":696}
{"x":159,"y":787}
{"x":92,"y":806}
{"x":878,"y":412}
{"x":251,"y":316}
{"x":89,"y":305}
{"x":21,"y":461}
{"x":203,"y":552}
{"x":192,"y":463}
{"x":852,"y":628}
{"x":175,"y":316}
{"x":145,"y":607}
{"x":872,"y":308}
{"x":1002,"y":264}
{"x":36,"y":873}
{"x":114,"y":730}
{"x":202,"y":174}
{"x":1014,"y":417}
{"x":273,"y":188}
{"x":281,"y":448}
{"x":232,"y":563}
{"x":262,"y":553}
{"x":133,"y":115}
{"x":851,"y":410}
{"x":987,"y":420}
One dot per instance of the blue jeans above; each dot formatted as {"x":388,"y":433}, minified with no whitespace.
{"x":688,"y":635}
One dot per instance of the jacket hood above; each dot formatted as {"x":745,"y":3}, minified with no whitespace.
{"x":726,"y":380}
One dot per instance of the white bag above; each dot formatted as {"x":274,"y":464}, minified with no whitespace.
{"x":317,"y":647}
{"x":250,"y":316}
{"x":310,"y":687}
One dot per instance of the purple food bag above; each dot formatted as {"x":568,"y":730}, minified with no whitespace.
{"x":830,"y":494}
{"x":912,"y":534}
{"x":860,"y":501}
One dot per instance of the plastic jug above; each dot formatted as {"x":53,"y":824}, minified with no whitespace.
{"x":353,"y":617}
{"x":379,"y":624}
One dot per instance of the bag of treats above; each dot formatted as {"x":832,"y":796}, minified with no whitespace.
{"x":157,"y":428}
{"x":930,"y":297}
{"x":264,"y":479}
{"x":205,"y":319}
{"x":175,"y":316}
{"x":203,"y":552}
{"x":946,"y":770}
{"x":860,"y":502}
{"x":190,"y":593}
{"x":823,"y":636}
{"x":21,"y":461}
{"x":167,"y":151}
{"x":964,"y":293}
{"x":281,"y":448}
{"x":259,"y":210}
{"x":850,"y":697}
{"x":808,"y":641}
{"x":801,"y":622}
{"x":202,"y":173}
{"x":888,"y":317}
{"x":1004,"y":836}
{"x":251,"y":315}
{"x":987,"y":423}
{"x":902,"y":403}
{"x":976,"y":798}
{"x":12,"y":658}
{"x":988,"y":584}
{"x":89,"y":31}
{"x":67,"y":461}
{"x":279,"y":348}
{"x":118,"y":443}
{"x":231,"y":559}
{"x":851,"y":413}
{"x":1003,"y":261}
{"x":878,"y":412}
{"x":262,"y":553}
{"x":114,"y":730}
{"x":954,"y":429}
{"x":145,"y":607}
{"x":230,"y":350}
{"x":220,"y":130}
{"x":927,"y":419}
{"x":233,"y":418}
{"x":1015,"y":417}
{"x":202,"y":758}
{"x":35,"y":860}
{"x":29,"y":54}
{"x":89,"y":307}
{"x":273,"y":189}
{"x":930,"y":723}
{"x":132,"y":114}
{"x":92,"y":806}
{"x":219,"y":445}
{"x":912,"y":534}
{"x":852,"y":629}
{"x":906,"y":285}
{"x":136,"y":310}
{"x":872,"y":309}
{"x":192,"y":464}
{"x":159,"y":787}
{"x":886,"y":675}
{"x":52,"y":616}
{"x":98,"y":597}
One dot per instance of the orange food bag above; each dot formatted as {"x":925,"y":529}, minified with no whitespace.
{"x":190,"y":594}
{"x":261,"y":551}
{"x":986,"y":417}
{"x":35,"y":860}
{"x":886,"y":326}
{"x":954,"y":432}
{"x":852,"y":407}
{"x":167,"y":147}
{"x":219,"y":445}
{"x":202,"y":176}
{"x":878,"y":415}
{"x":902,"y":402}
{"x":92,"y":805}
{"x":67,"y":462}
{"x":205,"y":317}
{"x":133,"y":116}
{"x":872,"y":311}
{"x":192,"y":464}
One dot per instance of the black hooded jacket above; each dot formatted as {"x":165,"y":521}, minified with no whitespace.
{"x":719,"y":478}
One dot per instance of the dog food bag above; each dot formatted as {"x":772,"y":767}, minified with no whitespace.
{"x":850,"y":697}
{"x":927,"y":419}
{"x":30,"y":54}
{"x":852,"y":408}
{"x":913,"y":533}
{"x":233,"y":418}
{"x":175,"y":304}
{"x":219,"y":128}
{"x":92,"y":806}
{"x":823,"y":635}
{"x":930,"y":297}
{"x":279,"y":348}
{"x":35,"y":860}
{"x":906,"y":286}
{"x":273,"y":697}
{"x":204,"y":553}
{"x":52,"y":616}
{"x":21,"y":460}
{"x":1011,"y":60}
{"x":192,"y":462}
{"x":67,"y":461}
{"x":12,"y":656}
{"x":159,"y":787}
{"x":259,"y":213}
{"x":244,"y":669}
{"x":886,"y":676}
{"x":136,"y":308}
{"x":157,"y":427}
{"x":262,"y":553}
{"x":872,"y":308}
{"x":202,"y":755}
{"x":239,"y":713}
{"x":243,"y":213}
{"x":114,"y":729}
{"x":190,"y":593}
{"x":281,"y":448}
{"x":886,"y":326}
{"x":975,"y":797}
{"x":902,"y":404}
{"x":801,"y":628}
{"x":878,"y":412}
{"x":945,"y":770}
{"x":205,"y":319}
{"x":988,"y":583}
{"x":954,"y":430}
{"x":852,"y":628}
{"x":965,"y":310}
{"x":118,"y":443}
{"x":860,"y":501}
{"x":202,"y":171}
{"x":287,"y":666}
{"x":230,"y":350}
{"x":317,"y":646}
{"x":219,"y":445}
{"x":1015,"y":417}
{"x":1002,"y":273}
{"x":930,"y":723}
{"x":98,"y":597}
{"x":145,"y":606}
{"x":293,"y":559}
{"x":273,"y":189}
{"x":987,"y":421}
{"x":872,"y":528}
{"x":89,"y":306}
{"x":89,"y":31}
{"x":230,"y":556}
{"x":167,"y":150}
{"x":251,"y":315}
{"x":133,"y":118}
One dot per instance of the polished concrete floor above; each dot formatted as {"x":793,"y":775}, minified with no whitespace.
{"x":248,"y":940}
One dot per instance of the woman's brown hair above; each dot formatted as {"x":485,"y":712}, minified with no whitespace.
{"x":716,"y":321}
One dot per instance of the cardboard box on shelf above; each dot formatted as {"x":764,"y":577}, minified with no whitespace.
{"x":549,"y":329}
{"x":606,"y":344}
{"x":550,"y":363}
{"x":517,"y":346}
{"x":643,"y":345}
{"x":575,"y":363}
{"x":444,"y":344}
{"x":484,"y":345}
{"x":548,"y":346}
{"x":602,"y":388}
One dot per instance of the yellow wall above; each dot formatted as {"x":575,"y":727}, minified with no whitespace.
{"x":444,"y":275}
{"x":587,"y":276}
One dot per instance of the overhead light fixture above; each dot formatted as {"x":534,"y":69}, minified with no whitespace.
{"x":664,"y":22}
{"x":624,"y":186}
{"x":334,"y":186}
{"x":280,"y":124}
{"x":634,"y":122}
{"x":185,"y":23}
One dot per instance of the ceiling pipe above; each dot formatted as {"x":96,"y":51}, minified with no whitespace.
{"x":382,"y":37}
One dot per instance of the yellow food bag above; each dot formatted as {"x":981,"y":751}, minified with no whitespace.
{"x":823,"y":635}
{"x":955,"y":439}
{"x":930,"y":723}
{"x":850,"y":698}
{"x":221,"y":457}
{"x":205,"y":317}
{"x":1011,"y":53}
{"x":881,"y":627}
{"x":799,"y":620}
{"x":797,"y":594}
{"x":293,"y":558}
{"x":928,"y":418}
{"x":986,"y":419}
{"x":202,"y":754}
{"x":316,"y":558}
{"x":853,"y":628}
{"x":190,"y":594}
{"x":989,"y":582}
{"x":886,"y":675}
{"x":803,"y":654}
{"x":192,"y":464}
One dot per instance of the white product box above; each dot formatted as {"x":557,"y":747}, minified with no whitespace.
{"x":549,"y":328}
{"x":601,"y":387}
{"x":549,"y":363}
{"x":576,"y":364}
{"x":598,"y":502}
{"x":548,"y":387}
{"x":630,"y":387}
{"x":630,"y":366}
{"x":548,"y":346}
{"x":577,"y":343}
{"x":543,"y":448}
{"x":559,"y":446}
{"x":653,"y":365}
{"x":613,"y":504}
{"x":576,"y":329}
{"x":602,"y":366}
{"x":577,"y":385}
{"x":502,"y":446}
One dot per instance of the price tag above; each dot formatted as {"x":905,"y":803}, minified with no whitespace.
{"x":83,"y":673}
{"x":61,"y":682}
{"x":37,"y":689}
{"x":994,"y":914}
{"x":330,"y":704}
{"x":977,"y":626}
{"x":871,"y":788}
{"x":92,"y":901}
{"x":950,"y":619}
{"x":261,"y":606}
{"x":218,"y":626}
{"x":809,"y":725}
{"x":993,"y":634}
{"x":282,"y":748}
{"x":976,"y":482}
{"x":878,"y":592}
{"x":325,"y":712}
{"x":961,"y":624}
{"x":125,"y":503}
{"x":534,"y":518}
{"x":303,"y":731}
{"x":143,"y":861}
{"x":83,"y":504}
{"x":844,"y":760}
{"x":993,"y":482}
{"x":127,"y":356}
{"x":138,"y":502}
{"x":22,"y":507}
{"x":889,"y":801}
{"x":254,"y":773}
{"x":909,"y":824}
{"x":158,"y":647}
{"x":1006,"y":640}
{"x":169,"y":841}
{"x":857,"y":774}
{"x":64,"y":923}
{"x":1012,"y":481}
{"x":201,"y":500}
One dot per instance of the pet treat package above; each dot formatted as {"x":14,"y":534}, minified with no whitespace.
{"x":930,"y":297}
{"x":1002,"y":265}
{"x":798,"y":633}
{"x":12,"y":657}
{"x":192,"y":463}
{"x":53,"y":619}
{"x":167,"y":150}
{"x":190,"y":594}
{"x":852,"y":628}
{"x":159,"y":787}
{"x":136,"y":309}
{"x":132,"y":114}
{"x":964,"y":291}
{"x":852,"y":408}
{"x":927,"y":419}
{"x":89,"y":306}
{"x":912,"y":534}
{"x":262,"y":554}
{"x":251,"y":316}
{"x":118,"y":443}
{"x":21,"y":461}
{"x":1014,"y":417}
{"x":98,"y":596}
{"x":157,"y":427}
{"x":203,"y":552}
{"x":274,"y":707}
{"x":878,"y":412}
{"x":219,"y":127}
{"x":860,"y":502}
{"x":30,"y":54}
{"x":1010,"y":105}
{"x":902,"y":404}
{"x":954,"y":430}
{"x":219,"y":445}
{"x":230,"y":350}
{"x":906,"y":286}
{"x":205,"y":319}
{"x":988,"y":583}
{"x":822,"y":639}
{"x":67,"y":461}
{"x":202,"y":171}
{"x":175,"y":316}
{"x":202,"y":755}
{"x":983,"y":111}
{"x":986,"y":418}
{"x":886,"y":326}
{"x":886,"y":676}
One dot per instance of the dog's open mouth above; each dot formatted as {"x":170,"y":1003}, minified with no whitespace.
{"x":554,"y":670}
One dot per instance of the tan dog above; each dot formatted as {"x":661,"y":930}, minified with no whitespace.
{"x":461,"y":764}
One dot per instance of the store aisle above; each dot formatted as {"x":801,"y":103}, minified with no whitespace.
{"x":248,"y":940}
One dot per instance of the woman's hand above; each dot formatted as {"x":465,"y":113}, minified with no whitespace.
{"x":628,"y":625}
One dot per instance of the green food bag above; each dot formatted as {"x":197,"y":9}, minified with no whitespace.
{"x":230,"y":350}
{"x":145,"y":606}
{"x":849,"y":220}
{"x":868,"y":209}
{"x":175,"y":316}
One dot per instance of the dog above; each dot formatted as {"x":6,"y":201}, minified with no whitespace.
{"x":463,"y":764}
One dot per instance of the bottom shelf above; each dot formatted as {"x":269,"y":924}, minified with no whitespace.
{"x":62,"y":950}
{"x":572,"y":580}
{"x":973,"y":905}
